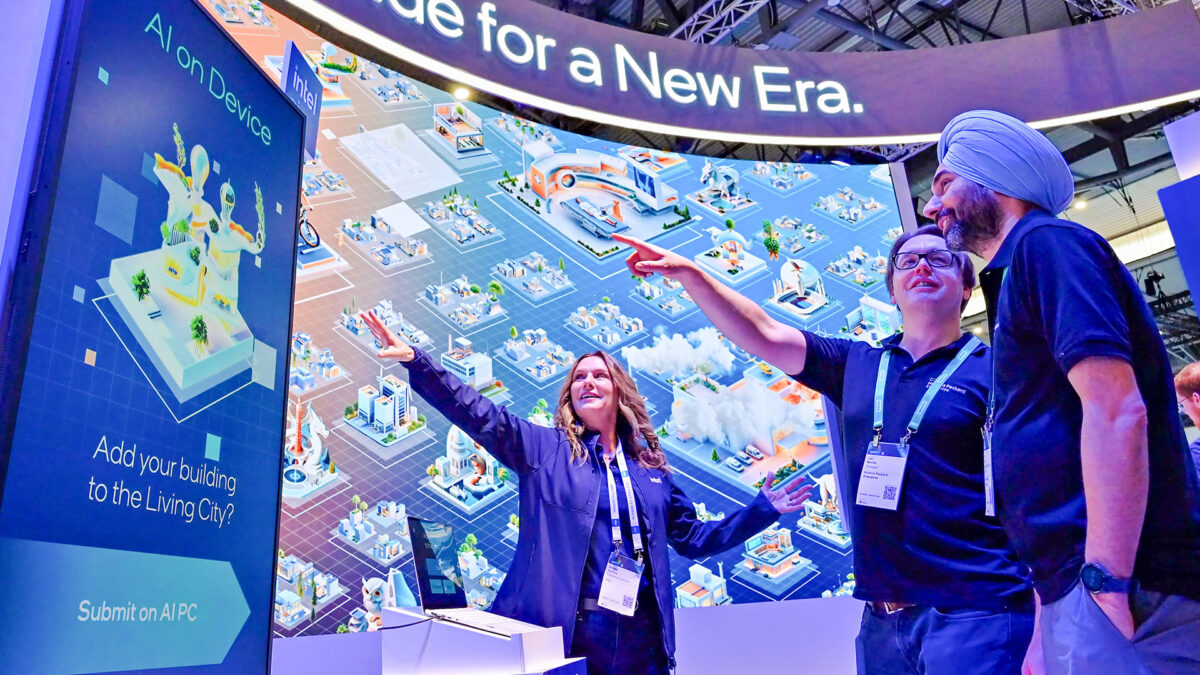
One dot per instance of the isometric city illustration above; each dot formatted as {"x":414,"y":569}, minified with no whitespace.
{"x":486,"y":240}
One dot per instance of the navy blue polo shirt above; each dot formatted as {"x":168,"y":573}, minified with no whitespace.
{"x":1068,"y":297}
{"x":938,"y":548}
{"x":601,"y":545}
{"x":1194,"y":447}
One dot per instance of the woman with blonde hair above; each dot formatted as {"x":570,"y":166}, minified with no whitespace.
{"x":597,"y":509}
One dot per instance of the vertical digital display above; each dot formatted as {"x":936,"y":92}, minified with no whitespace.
{"x":138,"y":522}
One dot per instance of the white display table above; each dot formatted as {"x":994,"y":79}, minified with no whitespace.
{"x":437,"y":647}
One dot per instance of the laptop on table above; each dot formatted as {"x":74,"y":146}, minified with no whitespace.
{"x":440,"y":581}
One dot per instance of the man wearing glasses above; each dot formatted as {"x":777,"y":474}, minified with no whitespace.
{"x":1187,"y":391}
{"x":943,"y":589}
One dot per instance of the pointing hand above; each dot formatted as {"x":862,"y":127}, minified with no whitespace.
{"x":648,"y":259}
{"x":393,"y":346}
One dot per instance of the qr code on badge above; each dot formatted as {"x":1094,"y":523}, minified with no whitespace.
{"x":889,"y":492}
{"x":627,"y":602}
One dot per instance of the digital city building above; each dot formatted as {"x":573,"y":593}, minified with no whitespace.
{"x":389,"y":407}
{"x":548,"y":172}
{"x":772,"y":560}
{"x":458,"y":127}
{"x":873,"y":319}
{"x":703,"y":588}
{"x":472,"y":367}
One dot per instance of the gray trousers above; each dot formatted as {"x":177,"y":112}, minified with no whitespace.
{"x":1079,"y":639}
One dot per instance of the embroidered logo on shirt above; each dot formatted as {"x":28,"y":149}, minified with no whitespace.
{"x":947,"y":387}
{"x":655,"y":480}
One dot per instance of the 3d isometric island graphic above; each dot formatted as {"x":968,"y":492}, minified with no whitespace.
{"x":181,"y":300}
{"x":307,"y":465}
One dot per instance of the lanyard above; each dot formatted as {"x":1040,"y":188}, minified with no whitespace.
{"x":614,"y":507}
{"x":923,"y":406}
{"x":989,"y":479}
{"x":991,"y":406}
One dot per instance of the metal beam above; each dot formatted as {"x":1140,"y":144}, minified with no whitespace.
{"x":670,"y":13}
{"x":914,"y":29}
{"x":1103,"y":179}
{"x":1096,"y":130}
{"x":1128,"y":130}
{"x":934,"y":17}
{"x":951,"y":12}
{"x":848,"y":25}
{"x":804,"y":12}
{"x":716,"y":19}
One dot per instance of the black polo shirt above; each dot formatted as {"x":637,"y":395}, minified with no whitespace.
{"x":1067,"y":298}
{"x":937,"y":548}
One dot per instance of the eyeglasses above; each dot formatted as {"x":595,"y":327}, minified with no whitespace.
{"x":938,"y":257}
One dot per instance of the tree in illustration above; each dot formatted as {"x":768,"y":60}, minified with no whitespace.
{"x":199,"y":330}
{"x":772,"y":246}
{"x":141,"y":284}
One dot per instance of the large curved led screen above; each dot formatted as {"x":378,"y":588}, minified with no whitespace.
{"x":485,"y":239}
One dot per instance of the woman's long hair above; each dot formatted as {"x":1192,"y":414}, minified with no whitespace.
{"x":637,"y":434}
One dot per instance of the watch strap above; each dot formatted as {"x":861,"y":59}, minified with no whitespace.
{"x":1108,"y":582}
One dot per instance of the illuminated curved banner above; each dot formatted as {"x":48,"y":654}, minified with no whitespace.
{"x":535,"y":55}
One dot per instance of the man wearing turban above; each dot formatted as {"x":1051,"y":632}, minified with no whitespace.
{"x":1092,"y":478}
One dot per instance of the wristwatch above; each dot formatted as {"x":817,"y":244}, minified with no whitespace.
{"x":1097,"y":579}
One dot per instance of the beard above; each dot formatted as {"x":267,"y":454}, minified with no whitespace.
{"x":978,"y":218}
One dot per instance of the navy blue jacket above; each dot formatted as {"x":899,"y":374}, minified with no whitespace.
{"x":558,"y":503}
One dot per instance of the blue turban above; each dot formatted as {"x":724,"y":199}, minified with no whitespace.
{"x":1003,"y":153}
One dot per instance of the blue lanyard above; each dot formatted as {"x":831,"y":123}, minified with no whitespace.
{"x":926,"y":400}
{"x":614,"y":508}
{"x":991,"y":406}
